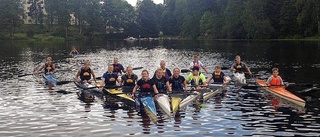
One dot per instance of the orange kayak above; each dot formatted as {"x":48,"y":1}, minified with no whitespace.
{"x":282,"y":93}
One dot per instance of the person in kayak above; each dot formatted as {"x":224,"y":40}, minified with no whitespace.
{"x":177,"y":81}
{"x":197,"y":63}
{"x":117,"y":67}
{"x":128,"y":80}
{"x":166,"y":72}
{"x":196,"y":78}
{"x":146,"y":85}
{"x":85,"y":73}
{"x":161,"y":82}
{"x":218,"y":76}
{"x":109,"y":78}
{"x":239,"y":66}
{"x":275,"y":79}
{"x":74,"y":52}
{"x":49,"y":67}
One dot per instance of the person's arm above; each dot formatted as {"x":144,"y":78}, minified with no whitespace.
{"x":77,"y":51}
{"x":208,"y":81}
{"x":118,"y":80}
{"x":155,"y":89}
{"x":77,"y":75}
{"x":191,"y":65}
{"x":38,"y":71}
{"x":248,"y":69}
{"x":225,"y":81}
{"x":282,"y":81}
{"x":94,"y":76}
{"x":169,"y":73}
{"x":268,"y":81}
{"x":203,"y":78}
{"x":169,"y":87}
{"x":203,"y":67}
{"x":232,"y":67}
{"x":134,"y":90}
{"x":54,"y":68}
{"x":123,"y":70}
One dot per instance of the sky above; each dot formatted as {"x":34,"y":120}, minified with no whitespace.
{"x":133,"y":2}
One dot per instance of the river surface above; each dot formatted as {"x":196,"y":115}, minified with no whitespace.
{"x":28,"y":108}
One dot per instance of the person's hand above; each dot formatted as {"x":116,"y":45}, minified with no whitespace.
{"x":132,"y":95}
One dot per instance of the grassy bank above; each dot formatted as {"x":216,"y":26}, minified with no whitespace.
{"x":37,"y":37}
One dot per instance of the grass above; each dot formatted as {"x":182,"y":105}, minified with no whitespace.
{"x":38,"y":37}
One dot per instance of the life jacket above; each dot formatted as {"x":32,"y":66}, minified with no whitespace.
{"x":160,"y":84}
{"x":146,"y":86}
{"x":85,"y":74}
{"x":165,"y":74}
{"x":48,"y":68}
{"x":129,"y":81}
{"x":196,"y":80}
{"x":239,"y":68}
{"x":111,"y":79}
{"x":116,"y":68}
{"x":176,"y":83}
{"x":74,"y":52}
{"x":275,"y":81}
{"x":196,"y":64}
{"x":217,"y":77}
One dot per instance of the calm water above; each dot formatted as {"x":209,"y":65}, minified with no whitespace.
{"x":29,"y":109}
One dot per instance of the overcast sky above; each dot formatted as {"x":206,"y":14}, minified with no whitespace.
{"x":133,"y":2}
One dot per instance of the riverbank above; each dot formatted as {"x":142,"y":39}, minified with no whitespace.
{"x":36,"y":37}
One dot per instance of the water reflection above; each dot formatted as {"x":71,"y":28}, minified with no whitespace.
{"x":29,"y":109}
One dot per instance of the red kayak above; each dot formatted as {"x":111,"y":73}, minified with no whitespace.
{"x":282,"y":93}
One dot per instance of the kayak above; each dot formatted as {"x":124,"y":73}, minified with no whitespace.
{"x":164,"y":103}
{"x":179,"y":101}
{"x":119,"y":95}
{"x":214,"y":90}
{"x":239,"y":78}
{"x":50,"y":79}
{"x":282,"y":93}
{"x":175,"y":103}
{"x":149,"y":107}
{"x":190,"y":98}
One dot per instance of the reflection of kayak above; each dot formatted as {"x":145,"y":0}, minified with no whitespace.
{"x":164,"y":104}
{"x":240,"y":78}
{"x":50,"y":79}
{"x":149,"y":107}
{"x":119,"y":95}
{"x":282,"y":93}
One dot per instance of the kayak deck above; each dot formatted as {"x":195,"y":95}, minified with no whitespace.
{"x":281,"y":92}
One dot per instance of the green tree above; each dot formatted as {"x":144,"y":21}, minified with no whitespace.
{"x":11,"y":14}
{"x":147,"y":19}
{"x":308,"y":17}
{"x":288,"y":19}
{"x":36,"y":11}
{"x":233,"y":27}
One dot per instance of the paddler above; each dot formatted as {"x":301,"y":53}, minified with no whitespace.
{"x":177,"y":81}
{"x":74,"y":52}
{"x":196,"y":78}
{"x":197,"y":63}
{"x":110,"y":78}
{"x":49,"y":67}
{"x":117,"y":67}
{"x":146,"y":85}
{"x":218,"y":76}
{"x":275,"y":79}
{"x":85,"y":73}
{"x":161,"y":82}
{"x":166,"y":72}
{"x":239,"y":66}
{"x":128,"y":80}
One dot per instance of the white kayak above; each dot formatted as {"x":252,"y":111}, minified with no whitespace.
{"x":188,"y":100}
{"x":239,"y":78}
{"x":214,"y":90}
{"x":164,"y":103}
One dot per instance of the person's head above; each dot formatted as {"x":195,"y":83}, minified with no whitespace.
{"x":163,"y":64}
{"x":238,"y":59}
{"x":49,"y":60}
{"x":159,"y":72}
{"x":115,"y":61}
{"x":145,"y":74}
{"x":176,"y":72}
{"x":86,"y":64}
{"x":195,"y":58}
{"x":195,"y":70}
{"x":110,"y":68}
{"x":275,"y":72}
{"x":129,"y":70}
{"x":217,"y":68}
{"x":73,"y":48}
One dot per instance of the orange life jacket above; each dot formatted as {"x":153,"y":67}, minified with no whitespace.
{"x":275,"y":81}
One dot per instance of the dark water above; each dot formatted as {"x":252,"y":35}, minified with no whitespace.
{"x":29,"y":109}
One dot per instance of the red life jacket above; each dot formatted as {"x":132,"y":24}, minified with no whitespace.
{"x":275,"y":81}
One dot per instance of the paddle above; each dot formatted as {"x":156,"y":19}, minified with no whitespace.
{"x":189,"y":70}
{"x":293,"y":84}
{"x":136,"y":68}
{"x":106,"y":87}
{"x":63,"y":82}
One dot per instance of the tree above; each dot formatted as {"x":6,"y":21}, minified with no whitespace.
{"x":11,"y":13}
{"x":233,"y":27}
{"x":147,"y":19}
{"x":36,"y":11}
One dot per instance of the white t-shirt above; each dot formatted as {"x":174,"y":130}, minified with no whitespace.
{"x":198,"y":63}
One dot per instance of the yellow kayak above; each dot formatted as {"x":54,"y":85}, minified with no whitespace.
{"x":119,"y":95}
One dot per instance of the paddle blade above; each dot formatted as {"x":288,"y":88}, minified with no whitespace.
{"x":224,"y":68}
{"x":137,"y":68}
{"x":63,"y":82}
{"x":185,"y":70}
{"x":250,"y":87}
{"x":98,"y":78}
{"x":24,"y":75}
